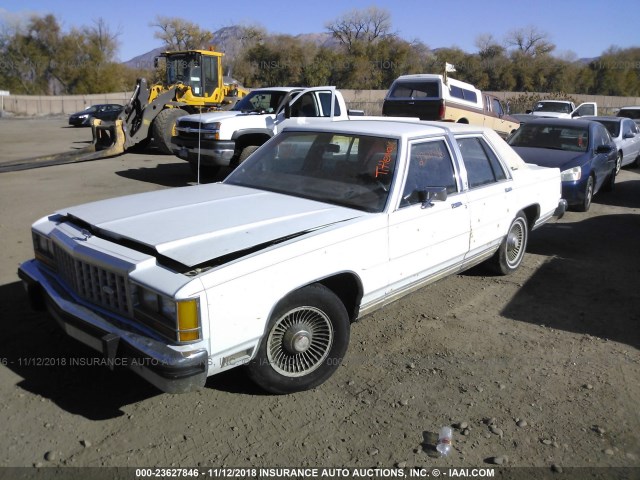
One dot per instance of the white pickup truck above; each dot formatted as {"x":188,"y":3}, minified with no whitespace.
{"x":212,"y":140}
{"x":563,"y":109}
{"x":322,"y":225}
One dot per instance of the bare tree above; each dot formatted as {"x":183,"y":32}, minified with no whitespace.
{"x":529,"y":41}
{"x":179,"y":34}
{"x":366,"y":25}
{"x":103,"y":38}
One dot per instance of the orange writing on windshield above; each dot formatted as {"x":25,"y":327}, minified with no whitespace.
{"x":382,"y":168}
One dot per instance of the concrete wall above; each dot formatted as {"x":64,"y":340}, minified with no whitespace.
{"x":36,"y":105}
{"x":368,"y":100}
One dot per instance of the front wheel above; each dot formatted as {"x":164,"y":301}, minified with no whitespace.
{"x":511,"y":252}
{"x":305,"y":342}
{"x":164,"y":128}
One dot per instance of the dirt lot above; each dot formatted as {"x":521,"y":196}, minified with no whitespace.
{"x":543,"y":366}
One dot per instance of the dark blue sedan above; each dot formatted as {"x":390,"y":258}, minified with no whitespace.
{"x":582,"y":150}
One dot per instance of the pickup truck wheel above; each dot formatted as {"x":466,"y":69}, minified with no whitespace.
{"x":163,"y":128}
{"x":511,"y":252}
{"x":305,"y":342}
{"x":246,"y":151}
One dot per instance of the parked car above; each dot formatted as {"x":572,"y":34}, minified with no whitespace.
{"x":583,"y":151}
{"x":321,"y":225}
{"x":442,"y":98}
{"x":563,"y":109}
{"x":630,"y":112}
{"x":103,"y":112}
{"x":626,"y":135}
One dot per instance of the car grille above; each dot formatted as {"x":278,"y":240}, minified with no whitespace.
{"x":95,"y":284}
{"x":188,"y":128}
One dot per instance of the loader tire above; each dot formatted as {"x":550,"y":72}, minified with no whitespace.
{"x":164,"y":128}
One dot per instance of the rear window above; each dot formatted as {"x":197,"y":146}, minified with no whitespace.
{"x":630,"y":113}
{"x":415,"y":89}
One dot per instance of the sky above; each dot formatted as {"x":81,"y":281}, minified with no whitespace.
{"x":585,"y":28}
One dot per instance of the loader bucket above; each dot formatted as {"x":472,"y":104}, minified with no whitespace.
{"x":108,"y":141}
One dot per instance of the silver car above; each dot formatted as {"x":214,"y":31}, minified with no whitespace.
{"x":626,"y":135}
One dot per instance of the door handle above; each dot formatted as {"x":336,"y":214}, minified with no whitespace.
{"x":508,"y":189}
{"x":456,"y":205}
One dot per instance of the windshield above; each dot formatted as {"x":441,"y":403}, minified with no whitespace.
{"x":558,"y":107}
{"x":556,"y":137}
{"x":184,"y":69}
{"x":354,"y":171}
{"x":260,"y":101}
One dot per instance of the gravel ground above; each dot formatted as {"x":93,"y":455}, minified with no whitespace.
{"x":539,"y":369}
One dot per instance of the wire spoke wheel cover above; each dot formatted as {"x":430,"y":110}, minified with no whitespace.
{"x":300,"y":341}
{"x":304,"y":343}
{"x":516,"y":242}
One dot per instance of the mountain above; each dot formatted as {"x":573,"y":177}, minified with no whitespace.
{"x":227,"y":40}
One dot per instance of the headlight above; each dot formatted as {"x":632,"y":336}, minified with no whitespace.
{"x":83,"y":116}
{"x":178,"y":320}
{"x":210,"y":131}
{"x":43,"y":248}
{"x":571,"y":175}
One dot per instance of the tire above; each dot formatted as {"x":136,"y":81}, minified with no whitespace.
{"x":588,"y":196}
{"x":610,"y":182}
{"x":246,"y":151}
{"x":618,"y":163}
{"x":163,"y":128}
{"x":511,"y":251}
{"x":305,"y":342}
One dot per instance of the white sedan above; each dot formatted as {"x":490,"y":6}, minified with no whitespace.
{"x":268,"y":269}
{"x":626,"y":135}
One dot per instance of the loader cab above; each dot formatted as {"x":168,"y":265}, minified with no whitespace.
{"x":199,"y":70}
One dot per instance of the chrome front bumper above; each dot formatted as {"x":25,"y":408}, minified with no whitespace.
{"x":169,"y":370}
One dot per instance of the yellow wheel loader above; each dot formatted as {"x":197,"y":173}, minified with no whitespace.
{"x":193,"y":83}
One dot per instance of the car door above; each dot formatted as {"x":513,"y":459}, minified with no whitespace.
{"x":585,"y":109}
{"x":309,"y":106}
{"x":500,"y":125}
{"x":603,"y":163}
{"x":490,"y":188}
{"x":427,"y":239}
{"x":630,"y":141}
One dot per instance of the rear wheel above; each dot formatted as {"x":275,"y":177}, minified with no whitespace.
{"x":305,"y":342}
{"x":588,"y":196}
{"x":618,"y":163}
{"x":164,"y":128}
{"x":511,"y":252}
{"x":610,"y":183}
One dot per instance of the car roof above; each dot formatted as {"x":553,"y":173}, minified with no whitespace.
{"x":387,"y":127}
{"x":276,"y":89}
{"x":559,"y":122}
{"x":608,"y":118}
